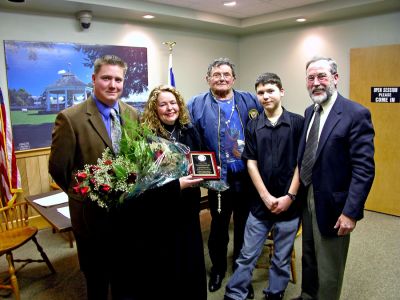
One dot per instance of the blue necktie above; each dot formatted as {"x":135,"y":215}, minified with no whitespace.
{"x":311,"y":148}
{"x":115,"y":130}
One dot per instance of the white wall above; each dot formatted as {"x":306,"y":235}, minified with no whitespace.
{"x":191,"y":55}
{"x":286,"y":52}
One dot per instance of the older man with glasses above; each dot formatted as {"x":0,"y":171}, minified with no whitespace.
{"x":336,"y":163}
{"x":221,"y":115}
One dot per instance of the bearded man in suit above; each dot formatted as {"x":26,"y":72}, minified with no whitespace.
{"x":337,"y":175}
{"x":80,"y":135}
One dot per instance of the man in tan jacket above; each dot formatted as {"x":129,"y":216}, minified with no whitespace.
{"x":81,"y":134}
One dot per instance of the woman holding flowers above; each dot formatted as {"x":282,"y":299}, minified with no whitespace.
{"x":166,"y":219}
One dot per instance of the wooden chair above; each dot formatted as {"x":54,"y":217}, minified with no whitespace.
{"x":270,"y":245}
{"x":15,"y":232}
{"x":54,"y":186}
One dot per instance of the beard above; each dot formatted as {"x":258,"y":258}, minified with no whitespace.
{"x":328,"y":92}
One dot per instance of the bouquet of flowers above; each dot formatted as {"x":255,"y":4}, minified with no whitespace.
{"x":145,"y":161}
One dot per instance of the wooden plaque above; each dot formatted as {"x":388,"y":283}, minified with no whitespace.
{"x":204,"y":165}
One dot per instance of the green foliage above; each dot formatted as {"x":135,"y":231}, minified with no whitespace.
{"x":135,"y":143}
{"x":120,"y":171}
{"x":144,"y":161}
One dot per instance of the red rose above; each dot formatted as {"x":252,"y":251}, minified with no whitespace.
{"x":84,"y":190}
{"x":108,"y":162}
{"x":76,"y":188}
{"x":132,"y":178}
{"x":81,"y":176}
{"x":105,"y":188}
{"x":158,"y":154}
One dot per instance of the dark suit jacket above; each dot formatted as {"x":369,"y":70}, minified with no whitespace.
{"x":79,"y":137}
{"x":344,"y":168}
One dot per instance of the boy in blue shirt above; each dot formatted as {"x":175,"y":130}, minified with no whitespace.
{"x":272,"y":141}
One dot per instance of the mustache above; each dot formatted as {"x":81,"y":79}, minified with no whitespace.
{"x":318,"y":89}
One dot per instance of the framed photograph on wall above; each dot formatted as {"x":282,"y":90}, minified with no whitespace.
{"x":44,"y":78}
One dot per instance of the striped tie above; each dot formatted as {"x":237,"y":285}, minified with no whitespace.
{"x":311,"y":148}
{"x":115,"y":130}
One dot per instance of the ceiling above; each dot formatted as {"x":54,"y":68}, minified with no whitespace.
{"x":248,"y":16}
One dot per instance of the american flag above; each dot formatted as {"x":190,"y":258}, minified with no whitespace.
{"x":10,"y":178}
{"x":171,"y":77}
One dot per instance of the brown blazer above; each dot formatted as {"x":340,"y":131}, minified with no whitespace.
{"x":79,"y":137}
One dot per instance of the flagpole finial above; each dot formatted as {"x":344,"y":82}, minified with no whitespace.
{"x":171,"y":78}
{"x":170,"y":45}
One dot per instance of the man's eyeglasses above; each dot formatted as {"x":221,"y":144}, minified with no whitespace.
{"x":218,"y":76}
{"x":320,"y":77}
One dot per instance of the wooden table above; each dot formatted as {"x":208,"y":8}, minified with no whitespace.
{"x":59,"y":222}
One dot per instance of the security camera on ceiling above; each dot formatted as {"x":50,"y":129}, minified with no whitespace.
{"x":85,"y":18}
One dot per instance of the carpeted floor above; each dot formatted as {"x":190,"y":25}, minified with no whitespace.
{"x":372,"y":271}
{"x":36,"y":281}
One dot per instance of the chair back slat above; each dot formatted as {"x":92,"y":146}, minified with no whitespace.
{"x":14,"y":216}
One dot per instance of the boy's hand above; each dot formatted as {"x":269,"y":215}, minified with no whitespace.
{"x":270,"y":202}
{"x":282,"y":204}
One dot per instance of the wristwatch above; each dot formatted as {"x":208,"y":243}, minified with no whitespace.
{"x":291,"y":196}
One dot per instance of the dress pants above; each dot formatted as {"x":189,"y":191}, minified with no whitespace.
{"x":324,"y":258}
{"x":232,"y":202}
{"x":104,"y":264}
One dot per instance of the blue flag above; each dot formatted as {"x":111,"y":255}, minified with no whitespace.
{"x":171,"y":77}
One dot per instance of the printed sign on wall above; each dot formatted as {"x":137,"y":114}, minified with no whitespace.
{"x":385,"y":94}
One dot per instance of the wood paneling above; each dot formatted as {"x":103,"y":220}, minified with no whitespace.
{"x":379,"y":67}
{"x":35,"y":178}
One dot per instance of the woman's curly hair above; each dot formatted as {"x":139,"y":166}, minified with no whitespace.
{"x":150,"y":116}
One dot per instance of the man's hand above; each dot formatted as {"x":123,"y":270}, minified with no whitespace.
{"x":345,"y":225}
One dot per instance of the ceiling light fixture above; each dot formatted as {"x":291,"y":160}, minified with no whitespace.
{"x":300,"y":20}
{"x":230,"y":3}
{"x":148,"y":17}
